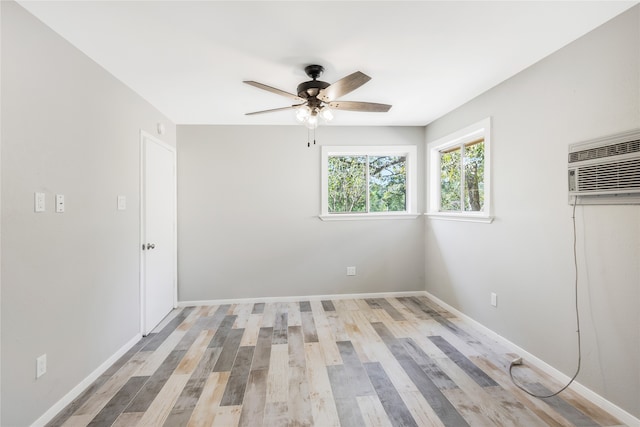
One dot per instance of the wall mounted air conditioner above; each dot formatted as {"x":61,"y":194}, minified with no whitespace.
{"x":606,"y":170}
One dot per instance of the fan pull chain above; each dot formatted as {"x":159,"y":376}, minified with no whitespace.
{"x":309,"y":137}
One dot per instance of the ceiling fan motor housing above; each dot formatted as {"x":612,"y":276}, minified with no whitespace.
{"x":310,"y":89}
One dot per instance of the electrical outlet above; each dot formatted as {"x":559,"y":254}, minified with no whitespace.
{"x":41,"y":365}
{"x":494,"y":299}
{"x":60,"y":203}
{"x":351,"y":271}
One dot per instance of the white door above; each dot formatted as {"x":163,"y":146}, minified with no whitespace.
{"x":158,"y":199}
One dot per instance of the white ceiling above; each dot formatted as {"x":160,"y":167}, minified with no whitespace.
{"x":426,"y":58}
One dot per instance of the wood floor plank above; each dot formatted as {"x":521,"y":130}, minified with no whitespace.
{"x":268,"y":315}
{"x":428,"y":365}
{"x":536,"y":406}
{"x":168,"y":330}
{"x":156,"y":358}
{"x":373,"y":413}
{"x":222,"y":331}
{"x":258,"y":308}
{"x":128,"y":419}
{"x":298,"y":401}
{"x":293,"y":314}
{"x":470,"y":409}
{"x":345,"y":400}
{"x":236,"y":386}
{"x":296,"y":347}
{"x":155,"y":383}
{"x":473,"y":402}
{"x":190,"y":395}
{"x":118,"y":403}
{"x":327,"y":305}
{"x":323,"y":406}
{"x":262,"y":354}
{"x":337,"y":326}
{"x":398,"y":414}
{"x":252,"y":413}
{"x":280,"y":327}
{"x":77,"y":421}
{"x":227,"y":416}
{"x":309,"y":332}
{"x":515,"y":410}
{"x":442,"y":406}
{"x":465,"y":364}
{"x":421,"y":411}
{"x":188,"y":321}
{"x":569,"y":412}
{"x":95,"y":403}
{"x":204,"y":412}
{"x":386,"y":306}
{"x":278,"y":377}
{"x":192,"y":357}
{"x":214,"y":317}
{"x":229,"y":351}
{"x":364,"y":337}
{"x":276,"y":414}
{"x":90,"y":391}
{"x":305,"y":306}
{"x":161,"y":406}
{"x":251,"y":331}
{"x":356,"y":375}
{"x":328,"y":345}
{"x":242,"y":311}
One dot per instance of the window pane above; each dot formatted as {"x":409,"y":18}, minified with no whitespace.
{"x":347,"y":184}
{"x":387,"y":183}
{"x":474,"y":177}
{"x":450,"y":180}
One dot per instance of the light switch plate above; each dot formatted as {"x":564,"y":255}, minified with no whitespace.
{"x":41,"y":365}
{"x":122,"y":203}
{"x":38,"y":200}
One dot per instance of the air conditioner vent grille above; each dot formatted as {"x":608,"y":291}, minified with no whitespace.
{"x":624,"y":175}
{"x":618,"y":149}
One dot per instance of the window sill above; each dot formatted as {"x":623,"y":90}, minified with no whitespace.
{"x":367,"y":217}
{"x":463,"y":217}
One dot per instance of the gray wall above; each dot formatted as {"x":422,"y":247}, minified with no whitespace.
{"x":248,"y":226}
{"x":69,"y":281}
{"x":588,"y":89}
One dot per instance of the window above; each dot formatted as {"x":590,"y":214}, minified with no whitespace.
{"x":368,"y":182}
{"x":459,"y":175}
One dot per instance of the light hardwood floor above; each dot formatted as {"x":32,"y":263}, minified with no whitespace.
{"x":354,"y":362}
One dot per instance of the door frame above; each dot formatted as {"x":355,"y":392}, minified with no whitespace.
{"x":174,"y":250}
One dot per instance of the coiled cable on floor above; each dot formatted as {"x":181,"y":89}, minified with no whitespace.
{"x":575,"y":266}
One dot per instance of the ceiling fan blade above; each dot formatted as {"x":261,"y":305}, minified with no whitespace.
{"x":273,"y":90}
{"x":274,"y":110}
{"x":369,"y":107}
{"x":343,"y":86}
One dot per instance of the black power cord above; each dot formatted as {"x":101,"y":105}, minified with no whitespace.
{"x":519,"y":360}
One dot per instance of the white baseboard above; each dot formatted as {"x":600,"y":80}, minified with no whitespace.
{"x":75,"y":392}
{"x":583,"y":391}
{"x":299,"y":298}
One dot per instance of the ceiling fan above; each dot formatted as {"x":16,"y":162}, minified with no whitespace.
{"x":317,"y":98}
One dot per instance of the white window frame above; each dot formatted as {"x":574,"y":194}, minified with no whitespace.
{"x":480,"y":130}
{"x":410,"y":151}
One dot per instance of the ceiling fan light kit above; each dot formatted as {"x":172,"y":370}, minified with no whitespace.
{"x":316,"y":98}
